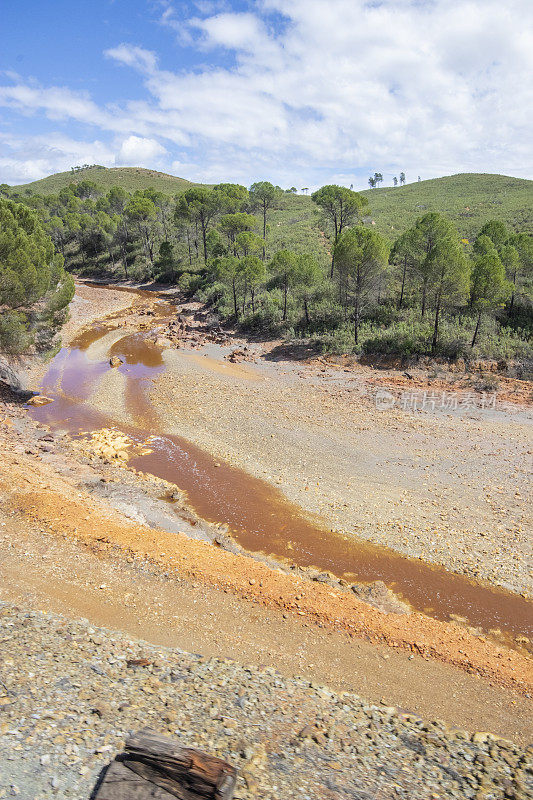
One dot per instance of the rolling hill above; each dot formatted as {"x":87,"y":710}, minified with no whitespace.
{"x":130,"y":178}
{"x":468,"y":199}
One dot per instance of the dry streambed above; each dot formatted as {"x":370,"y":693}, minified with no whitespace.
{"x":258,"y":517}
{"x":401,"y":634}
{"x":45,"y":495}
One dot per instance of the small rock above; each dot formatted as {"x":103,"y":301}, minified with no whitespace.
{"x":39,"y":400}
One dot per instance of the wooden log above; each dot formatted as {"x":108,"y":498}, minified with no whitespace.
{"x":165,"y":765}
{"x":120,"y":783}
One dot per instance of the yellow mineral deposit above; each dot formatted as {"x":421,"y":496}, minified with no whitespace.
{"x":39,"y":400}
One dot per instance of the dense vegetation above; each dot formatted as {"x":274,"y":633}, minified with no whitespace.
{"x":468,"y":200}
{"x":381,"y":271}
{"x":34,"y":288}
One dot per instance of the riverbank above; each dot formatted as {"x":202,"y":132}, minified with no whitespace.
{"x":45,"y":484}
{"x":395,"y":477}
{"x":259,"y":517}
{"x":450,"y":488}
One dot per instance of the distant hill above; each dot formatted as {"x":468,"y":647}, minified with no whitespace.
{"x":130,"y":178}
{"x":468,"y":199}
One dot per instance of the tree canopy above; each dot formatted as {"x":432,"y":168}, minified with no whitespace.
{"x":263,"y":197}
{"x":33,"y":284}
{"x":438,"y":293}
{"x":361,"y":256}
{"x":342,"y":207}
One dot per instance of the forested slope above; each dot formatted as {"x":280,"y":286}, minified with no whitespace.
{"x":441,"y":267}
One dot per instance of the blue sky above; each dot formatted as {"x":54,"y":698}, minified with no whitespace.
{"x":300,"y":92}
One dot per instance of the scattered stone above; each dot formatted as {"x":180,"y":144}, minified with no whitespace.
{"x":75,"y":706}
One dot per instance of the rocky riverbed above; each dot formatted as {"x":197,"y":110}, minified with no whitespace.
{"x":70,"y":693}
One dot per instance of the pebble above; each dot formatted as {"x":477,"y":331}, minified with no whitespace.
{"x":75,"y":700}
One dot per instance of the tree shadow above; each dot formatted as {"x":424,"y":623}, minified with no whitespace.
{"x":292,"y":351}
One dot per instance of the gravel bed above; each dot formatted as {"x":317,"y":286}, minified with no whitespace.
{"x":70,"y":693}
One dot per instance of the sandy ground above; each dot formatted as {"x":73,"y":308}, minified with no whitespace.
{"x":68,"y":549}
{"x":65,"y":548}
{"x":451,"y":488}
{"x":91,"y":304}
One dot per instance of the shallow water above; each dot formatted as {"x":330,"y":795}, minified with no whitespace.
{"x":258,"y":515}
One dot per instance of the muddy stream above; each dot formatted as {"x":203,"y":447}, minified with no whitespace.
{"x":259,"y":517}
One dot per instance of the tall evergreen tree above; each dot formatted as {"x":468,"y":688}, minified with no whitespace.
{"x":33,"y":284}
{"x":342,"y":207}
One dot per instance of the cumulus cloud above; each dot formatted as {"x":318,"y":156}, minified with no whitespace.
{"x":138,"y":151}
{"x":320,"y":88}
{"x":28,"y":158}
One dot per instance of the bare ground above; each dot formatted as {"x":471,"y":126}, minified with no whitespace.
{"x":450,"y":488}
{"x":67,"y":550}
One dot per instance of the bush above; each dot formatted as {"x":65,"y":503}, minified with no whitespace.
{"x":14,"y":335}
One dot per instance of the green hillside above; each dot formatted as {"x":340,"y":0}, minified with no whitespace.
{"x":210,"y":246}
{"x":468,"y":199}
{"x":130,"y":178}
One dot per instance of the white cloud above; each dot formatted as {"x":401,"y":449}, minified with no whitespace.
{"x":238,"y":32}
{"x":137,"y":151}
{"x":29,"y":158}
{"x":428,"y":88}
{"x":58,"y":102}
{"x":132,"y":56}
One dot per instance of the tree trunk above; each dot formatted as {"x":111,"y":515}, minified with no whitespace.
{"x":252,"y":291}
{"x":196,"y":239}
{"x":476,"y":330}
{"x":404,"y":273}
{"x":511,"y":304}
{"x":306,"y":309}
{"x":125,"y":260}
{"x":155,"y":766}
{"x":235,"y":298}
{"x":189,"y":247}
{"x":356,"y":321}
{"x":285,"y":291}
{"x":436,"y":327}
{"x":264,"y":230}
{"x":111,"y":256}
{"x":204,"y":239}
{"x":424,"y":290}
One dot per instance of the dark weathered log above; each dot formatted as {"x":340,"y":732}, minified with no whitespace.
{"x":120,"y":783}
{"x":166,"y":765}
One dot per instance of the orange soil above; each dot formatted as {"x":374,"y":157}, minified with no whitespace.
{"x":40,"y":494}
